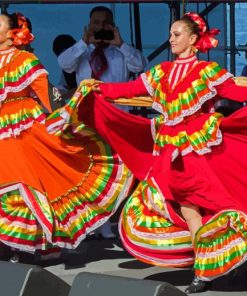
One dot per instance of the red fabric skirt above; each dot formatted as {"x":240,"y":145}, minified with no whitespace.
{"x":214,"y":181}
{"x":151,"y":226}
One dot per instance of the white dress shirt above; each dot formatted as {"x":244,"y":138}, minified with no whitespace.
{"x":121,"y":60}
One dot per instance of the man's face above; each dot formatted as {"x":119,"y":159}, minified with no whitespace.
{"x":100,"y":20}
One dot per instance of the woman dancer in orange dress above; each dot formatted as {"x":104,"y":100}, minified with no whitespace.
{"x":53,"y":191}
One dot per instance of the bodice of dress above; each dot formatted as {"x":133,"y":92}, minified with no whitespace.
{"x":18,"y":72}
{"x":183,"y":92}
{"x":180,"y":69}
{"x":22,"y":78}
{"x":179,"y":90}
{"x":6,"y":56}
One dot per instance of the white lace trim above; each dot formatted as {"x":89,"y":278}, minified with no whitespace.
{"x":100,"y":222}
{"x":205,"y":234}
{"x":27,"y":82}
{"x":225,"y":248}
{"x":147,"y":84}
{"x":161,"y":236}
{"x":106,"y":199}
{"x":222,"y":250}
{"x":19,"y":224}
{"x":207,"y":149}
{"x":189,"y":149}
{"x":112,"y":190}
{"x":158,"y":107}
{"x":167,"y":262}
{"x":53,"y":128}
{"x":48,"y":234}
{"x":17,"y":131}
{"x":244,"y":259}
{"x":21,"y":189}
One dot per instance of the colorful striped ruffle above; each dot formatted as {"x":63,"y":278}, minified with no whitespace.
{"x":64,"y":121}
{"x":148,"y":233}
{"x":13,"y":81}
{"x":190,"y":98}
{"x":30,"y":222}
{"x":199,"y":141}
{"x":221,"y":244}
{"x":11,"y":125}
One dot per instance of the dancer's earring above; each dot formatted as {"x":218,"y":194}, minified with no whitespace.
{"x":194,"y":49}
{"x":10,"y":43}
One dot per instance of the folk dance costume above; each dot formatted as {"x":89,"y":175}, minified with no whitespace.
{"x":53,"y":191}
{"x":187,"y":155}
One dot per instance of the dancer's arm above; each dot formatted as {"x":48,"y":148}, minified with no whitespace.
{"x":40,"y":87}
{"x":129,"y":89}
{"x":230,"y":90}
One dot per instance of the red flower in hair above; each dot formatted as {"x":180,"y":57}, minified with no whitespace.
{"x":21,"y":35}
{"x":206,"y":39}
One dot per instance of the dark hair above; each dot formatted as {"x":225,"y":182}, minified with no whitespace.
{"x":29,"y":25}
{"x":12,"y":20}
{"x":193,"y":27}
{"x":61,"y":43}
{"x":101,"y":8}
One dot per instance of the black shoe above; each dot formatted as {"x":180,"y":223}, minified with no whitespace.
{"x":197,"y":286}
{"x":15,"y":258}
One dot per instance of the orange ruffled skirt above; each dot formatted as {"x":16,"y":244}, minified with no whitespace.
{"x":53,"y":191}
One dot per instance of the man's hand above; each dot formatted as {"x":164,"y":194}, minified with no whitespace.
{"x":88,"y":36}
{"x":117,"y":40}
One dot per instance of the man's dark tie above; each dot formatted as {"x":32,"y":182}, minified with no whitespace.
{"x":98,"y":61}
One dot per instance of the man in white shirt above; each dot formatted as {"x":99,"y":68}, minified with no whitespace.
{"x":103,"y":55}
{"x":120,"y":59}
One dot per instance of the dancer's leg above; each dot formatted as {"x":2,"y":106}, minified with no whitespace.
{"x":194,"y":220}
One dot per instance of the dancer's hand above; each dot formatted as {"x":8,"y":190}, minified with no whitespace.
{"x":95,"y":86}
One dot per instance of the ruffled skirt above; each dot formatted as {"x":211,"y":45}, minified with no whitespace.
{"x":54,"y":191}
{"x":151,"y":225}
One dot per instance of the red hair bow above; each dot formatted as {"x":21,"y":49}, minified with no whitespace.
{"x":21,"y":35}
{"x":206,"y":39}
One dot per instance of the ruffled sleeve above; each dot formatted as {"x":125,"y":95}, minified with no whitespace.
{"x":20,"y":73}
{"x":152,"y":77}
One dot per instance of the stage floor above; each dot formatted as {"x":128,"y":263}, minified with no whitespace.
{"x":109,"y":257}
